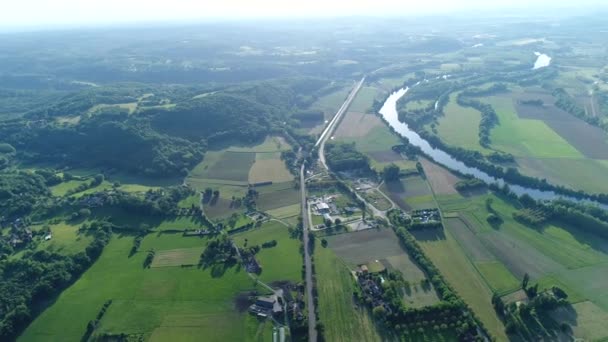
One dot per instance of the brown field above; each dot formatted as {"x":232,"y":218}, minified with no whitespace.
{"x":589,"y":140}
{"x":470,"y":243}
{"x":177,"y":257}
{"x":357,"y":125}
{"x":518,"y":256}
{"x":264,"y":170}
{"x":233,"y":166}
{"x":382,"y":245}
{"x":409,"y":189}
{"x":587,"y":320}
{"x":442,"y":181}
{"x":364,"y":246}
{"x":566,"y":172}
{"x":385,"y":156}
{"x":404,"y":264}
{"x":277,"y":199}
{"x":220,"y":209}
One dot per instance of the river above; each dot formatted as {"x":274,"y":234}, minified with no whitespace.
{"x":390,"y":114}
{"x":542,"y":61}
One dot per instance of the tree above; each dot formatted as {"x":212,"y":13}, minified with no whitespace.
{"x":524,"y":282}
{"x":97,"y":180}
{"x":328,"y":224}
{"x":82,"y":213}
{"x":379,"y":312}
{"x":391,"y":173}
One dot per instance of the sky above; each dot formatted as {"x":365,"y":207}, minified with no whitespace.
{"x":62,"y":13}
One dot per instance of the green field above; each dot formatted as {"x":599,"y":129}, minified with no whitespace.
{"x":411,"y":192}
{"x":62,"y":188}
{"x":65,"y":239}
{"x":459,"y":126}
{"x":157,"y":303}
{"x":567,"y":172}
{"x":177,"y":257}
{"x":555,"y":254}
{"x":446,"y":254}
{"x":285,"y":212}
{"x":364,"y":99}
{"x":343,"y":320}
{"x":498,"y":277}
{"x":378,"y":139}
{"x":526,"y":137}
{"x":282,"y":262}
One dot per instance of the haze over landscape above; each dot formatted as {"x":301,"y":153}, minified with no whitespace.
{"x":70,"y":13}
{"x":303,"y":171}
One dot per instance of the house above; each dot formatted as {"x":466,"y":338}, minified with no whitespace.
{"x":265,"y":306}
{"x":48,"y":237}
{"x":322,"y":208}
{"x":363,"y":269}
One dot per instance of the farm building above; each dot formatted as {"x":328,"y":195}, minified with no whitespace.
{"x":322,"y":208}
{"x":265,"y":306}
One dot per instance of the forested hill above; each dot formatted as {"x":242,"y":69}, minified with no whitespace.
{"x":161,"y":131}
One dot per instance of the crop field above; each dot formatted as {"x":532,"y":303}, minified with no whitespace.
{"x":382,"y":246}
{"x":556,"y":254}
{"x":177,"y":257}
{"x":268,"y":170}
{"x":269,"y":145}
{"x":343,"y":319}
{"x":282,"y":262}
{"x":277,"y":199}
{"x":151,"y":303}
{"x":567,"y":172}
{"x":470,"y":243}
{"x":411,"y":192}
{"x":440,"y":179}
{"x":405,"y":265}
{"x":285,"y":212}
{"x":368,"y":245}
{"x":357,"y":125}
{"x":526,"y":137}
{"x":374,"y":197}
{"x":231,"y":170}
{"x":364,"y":100}
{"x":589,"y":140}
{"x":233,"y":166}
{"x":587,"y":320}
{"x":453,"y":264}
{"x":459,"y":126}
{"x":498,"y":277}
{"x":221,"y":208}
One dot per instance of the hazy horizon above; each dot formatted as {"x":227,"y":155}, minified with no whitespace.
{"x":75,"y":13}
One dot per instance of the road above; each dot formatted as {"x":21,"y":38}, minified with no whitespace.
{"x":334,"y":122}
{"x":306,"y":224}
{"x":310,"y":305}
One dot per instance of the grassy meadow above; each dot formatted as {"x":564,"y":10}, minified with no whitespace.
{"x":153,"y":304}
{"x":282,"y":262}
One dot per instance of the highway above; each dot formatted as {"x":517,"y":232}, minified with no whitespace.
{"x":312,"y":317}
{"x":334,"y":122}
{"x":306,"y":224}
